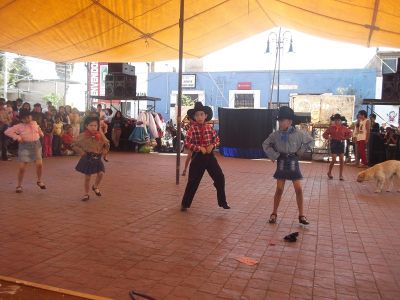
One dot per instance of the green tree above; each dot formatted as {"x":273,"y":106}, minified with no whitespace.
{"x":18,"y":70}
{"x":187,"y":100}
{"x":54,"y":99}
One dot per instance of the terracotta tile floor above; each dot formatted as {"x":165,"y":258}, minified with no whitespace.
{"x":135,"y":237}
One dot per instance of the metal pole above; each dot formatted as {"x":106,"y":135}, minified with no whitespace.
{"x":5,"y":77}
{"x":279,"y":62}
{"x":65,"y":84}
{"x":178,"y":118}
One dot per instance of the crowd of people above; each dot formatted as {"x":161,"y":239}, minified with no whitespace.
{"x":60,"y":126}
{"x":370,"y":143}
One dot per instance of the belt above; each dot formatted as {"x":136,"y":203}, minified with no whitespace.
{"x":94,"y":155}
{"x":287,"y":155}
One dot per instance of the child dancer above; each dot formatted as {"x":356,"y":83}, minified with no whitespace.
{"x":48,"y":135}
{"x":337,"y":134}
{"x":91,"y":144}
{"x":286,"y":145}
{"x":28,"y":135}
{"x":201,"y":138}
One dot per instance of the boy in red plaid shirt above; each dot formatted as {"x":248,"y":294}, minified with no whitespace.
{"x":201,"y":139}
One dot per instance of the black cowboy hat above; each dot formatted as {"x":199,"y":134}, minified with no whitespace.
{"x":285,"y":112}
{"x":198,"y":106}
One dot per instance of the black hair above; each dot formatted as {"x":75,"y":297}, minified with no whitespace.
{"x":337,"y":117}
{"x":363,"y":113}
{"x":372,"y":116}
{"x":24,"y":113}
{"x":91,"y":119}
{"x":19,"y":100}
{"x":37,"y":105}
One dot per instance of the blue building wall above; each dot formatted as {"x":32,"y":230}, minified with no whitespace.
{"x":360,"y":82}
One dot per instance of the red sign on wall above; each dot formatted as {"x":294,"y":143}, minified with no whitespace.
{"x":244,"y":85}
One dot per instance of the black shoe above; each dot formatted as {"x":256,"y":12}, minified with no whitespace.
{"x":291,"y":237}
{"x":183,"y":208}
{"x":225,"y":206}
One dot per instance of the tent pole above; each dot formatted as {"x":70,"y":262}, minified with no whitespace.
{"x":178,"y":118}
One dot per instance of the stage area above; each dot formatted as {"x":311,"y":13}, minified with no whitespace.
{"x":135,"y":237}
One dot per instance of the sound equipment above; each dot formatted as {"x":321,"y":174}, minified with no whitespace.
{"x":130,"y":86}
{"x":391,"y":85}
{"x":120,"y":86}
{"x":109,"y":87}
{"x":122,"y":68}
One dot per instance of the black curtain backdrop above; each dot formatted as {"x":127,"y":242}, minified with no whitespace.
{"x":245,"y":128}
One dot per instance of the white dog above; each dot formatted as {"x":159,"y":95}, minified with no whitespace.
{"x":382,"y":173}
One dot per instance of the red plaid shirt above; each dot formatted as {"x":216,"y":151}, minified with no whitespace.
{"x":339,"y":133}
{"x":200,"y":135}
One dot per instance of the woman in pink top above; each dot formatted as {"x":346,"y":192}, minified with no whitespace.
{"x":337,"y":133}
{"x":28,"y":135}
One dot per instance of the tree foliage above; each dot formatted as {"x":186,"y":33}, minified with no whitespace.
{"x":18,"y":70}
{"x":54,"y":99}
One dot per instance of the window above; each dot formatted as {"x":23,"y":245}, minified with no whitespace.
{"x":244,"y":100}
{"x":389,"y":65}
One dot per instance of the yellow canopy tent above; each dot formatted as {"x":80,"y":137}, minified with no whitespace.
{"x":132,"y":30}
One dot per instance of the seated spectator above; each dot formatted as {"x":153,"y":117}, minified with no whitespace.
{"x":67,"y":138}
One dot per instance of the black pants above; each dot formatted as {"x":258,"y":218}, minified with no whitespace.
{"x":57,"y":145}
{"x":3,"y":141}
{"x":199,"y":164}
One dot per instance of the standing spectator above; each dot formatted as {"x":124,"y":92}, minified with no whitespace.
{"x":63,"y":115}
{"x":391,"y":140}
{"x":37,"y":114}
{"x":75,"y":120}
{"x":100,"y":113}
{"x":117,"y":124}
{"x":48,"y":126}
{"x":363,"y":137}
{"x":26,"y":106}
{"x":5,"y":122}
{"x":57,"y":133}
{"x":18,"y":105}
{"x":374,"y":124}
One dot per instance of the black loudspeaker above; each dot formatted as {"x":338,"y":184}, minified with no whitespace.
{"x":130,"y":86}
{"x":109,"y":87}
{"x":119,"y":86}
{"x":122,"y":68}
{"x":391,"y":85}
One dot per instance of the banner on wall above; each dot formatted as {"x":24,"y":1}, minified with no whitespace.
{"x":97,"y":72}
{"x":388,"y":114}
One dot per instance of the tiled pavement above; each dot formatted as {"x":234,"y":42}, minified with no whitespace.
{"x":135,"y":237}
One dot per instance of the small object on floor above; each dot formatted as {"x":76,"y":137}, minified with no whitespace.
{"x":96,"y":191}
{"x":272,"y":218}
{"x":303,"y":220}
{"x":85,"y":198}
{"x":291,"y":237}
{"x":329,"y":176}
{"x":183,"y":208}
{"x":141,"y":295}
{"x":341,"y":178}
{"x":272,"y":244}
{"x":247,"y":260}
{"x":41,"y":185}
{"x":18,"y":189}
